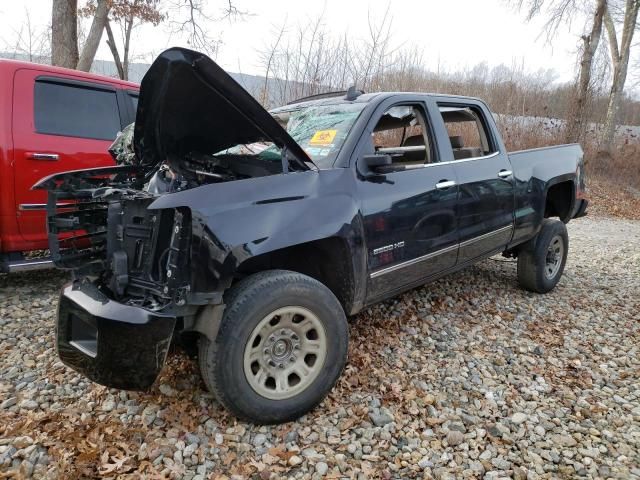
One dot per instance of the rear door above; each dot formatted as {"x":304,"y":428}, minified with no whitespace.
{"x":485,"y":182}
{"x":59,"y":124}
{"x":409,"y":217}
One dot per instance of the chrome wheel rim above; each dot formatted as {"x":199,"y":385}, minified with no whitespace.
{"x":553,"y":261}
{"x":285,"y":353}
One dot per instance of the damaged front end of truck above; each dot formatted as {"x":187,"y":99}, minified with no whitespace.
{"x":130,"y":274}
{"x":141,"y":267}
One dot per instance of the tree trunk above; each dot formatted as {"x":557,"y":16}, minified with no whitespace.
{"x":127,"y":43}
{"x":114,"y":50}
{"x":64,"y":33}
{"x":95,"y":34}
{"x":576,"y":115}
{"x":620,"y":62}
{"x":608,"y":134}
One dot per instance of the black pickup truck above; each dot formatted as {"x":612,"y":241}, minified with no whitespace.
{"x":257,"y":233}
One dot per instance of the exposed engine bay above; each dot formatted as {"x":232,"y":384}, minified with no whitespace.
{"x":106,"y":233}
{"x":200,"y":169}
{"x":181,"y":172}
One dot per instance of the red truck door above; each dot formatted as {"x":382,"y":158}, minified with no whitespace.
{"x":59,"y":123}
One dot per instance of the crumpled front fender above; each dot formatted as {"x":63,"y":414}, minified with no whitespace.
{"x":235,"y":221}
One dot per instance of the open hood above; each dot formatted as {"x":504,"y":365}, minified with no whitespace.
{"x":189,"y":104}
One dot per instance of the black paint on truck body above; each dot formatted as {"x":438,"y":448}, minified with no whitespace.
{"x":392,"y":231}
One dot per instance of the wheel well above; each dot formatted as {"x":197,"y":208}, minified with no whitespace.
{"x":559,"y":201}
{"x":327,"y":260}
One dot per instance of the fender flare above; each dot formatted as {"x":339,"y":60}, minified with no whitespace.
{"x":569,"y":177}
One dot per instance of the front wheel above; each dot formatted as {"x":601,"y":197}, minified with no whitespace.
{"x":281,"y":347}
{"x":541,"y":263}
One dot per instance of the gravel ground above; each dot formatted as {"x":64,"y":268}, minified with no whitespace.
{"x":469,"y":377}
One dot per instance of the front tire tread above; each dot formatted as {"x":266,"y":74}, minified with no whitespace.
{"x":242,"y":297}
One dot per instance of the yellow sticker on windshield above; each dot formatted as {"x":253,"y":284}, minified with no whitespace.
{"x":323,"y":137}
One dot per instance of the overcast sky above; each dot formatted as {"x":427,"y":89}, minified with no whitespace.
{"x":453,"y":33}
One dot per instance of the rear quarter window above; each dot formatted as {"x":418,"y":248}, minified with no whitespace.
{"x":75,"y":111}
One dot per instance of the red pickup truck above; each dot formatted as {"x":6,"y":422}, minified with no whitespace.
{"x":51,"y":120}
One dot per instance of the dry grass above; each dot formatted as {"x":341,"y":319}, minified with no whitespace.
{"x":613,"y":185}
{"x":521,"y":133}
{"x":623,"y":168}
{"x":610,"y":199}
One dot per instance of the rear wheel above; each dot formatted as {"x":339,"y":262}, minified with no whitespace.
{"x":281,"y":346}
{"x":541,"y":262}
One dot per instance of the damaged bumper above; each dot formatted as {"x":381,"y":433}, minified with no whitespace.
{"x":116,"y":345}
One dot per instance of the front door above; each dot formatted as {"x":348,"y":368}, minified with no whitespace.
{"x":409,"y":216}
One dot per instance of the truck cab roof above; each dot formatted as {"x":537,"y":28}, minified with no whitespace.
{"x":10,"y":65}
{"x":377,"y":97}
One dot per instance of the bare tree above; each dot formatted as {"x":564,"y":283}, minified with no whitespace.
{"x":190,"y":18}
{"x":619,"y":53}
{"x":267,"y":60}
{"x":576,"y":119}
{"x":313,"y":61}
{"x":557,"y":13}
{"x":376,"y":53}
{"x":122,"y":67}
{"x":95,"y":34}
{"x":127,"y":15}
{"x":64,"y":33}
{"x":308,"y":59}
{"x":30,"y":41}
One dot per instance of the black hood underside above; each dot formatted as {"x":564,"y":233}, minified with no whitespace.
{"x":188,"y":104}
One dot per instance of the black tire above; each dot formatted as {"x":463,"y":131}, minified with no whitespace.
{"x":534,"y":273}
{"x":248,"y":303}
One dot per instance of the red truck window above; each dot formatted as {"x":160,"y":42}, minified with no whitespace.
{"x":75,"y":111}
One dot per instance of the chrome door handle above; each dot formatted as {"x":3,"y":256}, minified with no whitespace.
{"x":445,"y":184}
{"x":505,"y":173}
{"x":44,"y":156}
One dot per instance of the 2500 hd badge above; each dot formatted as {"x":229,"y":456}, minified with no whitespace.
{"x":388,"y":248}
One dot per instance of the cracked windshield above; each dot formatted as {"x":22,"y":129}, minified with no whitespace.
{"x":320,"y":131}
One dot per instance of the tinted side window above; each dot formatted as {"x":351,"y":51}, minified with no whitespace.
{"x":75,"y":111}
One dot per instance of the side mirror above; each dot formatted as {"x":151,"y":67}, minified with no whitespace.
{"x":374,"y":167}
{"x":375,"y":162}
